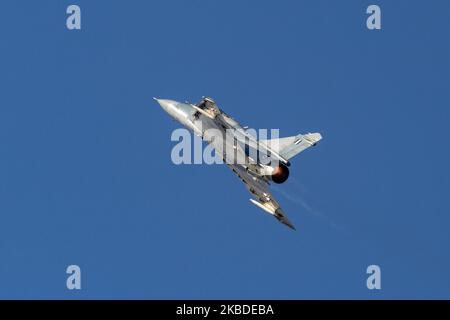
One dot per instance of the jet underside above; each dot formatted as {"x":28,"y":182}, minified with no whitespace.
{"x":215,"y":127}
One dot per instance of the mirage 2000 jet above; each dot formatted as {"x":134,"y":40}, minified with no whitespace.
{"x":206,"y":120}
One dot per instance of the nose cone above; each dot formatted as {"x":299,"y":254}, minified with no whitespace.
{"x":168,"y":105}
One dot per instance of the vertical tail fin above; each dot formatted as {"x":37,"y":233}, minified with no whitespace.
{"x":289,"y":147}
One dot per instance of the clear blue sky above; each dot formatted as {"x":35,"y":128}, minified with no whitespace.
{"x":85,"y":170}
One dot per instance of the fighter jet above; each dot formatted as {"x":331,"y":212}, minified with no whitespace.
{"x":254,"y":173}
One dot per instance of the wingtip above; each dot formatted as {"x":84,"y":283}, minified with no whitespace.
{"x":283,"y":219}
{"x":290,"y":225}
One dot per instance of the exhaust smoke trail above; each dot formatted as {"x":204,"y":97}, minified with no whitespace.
{"x":299,"y":200}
